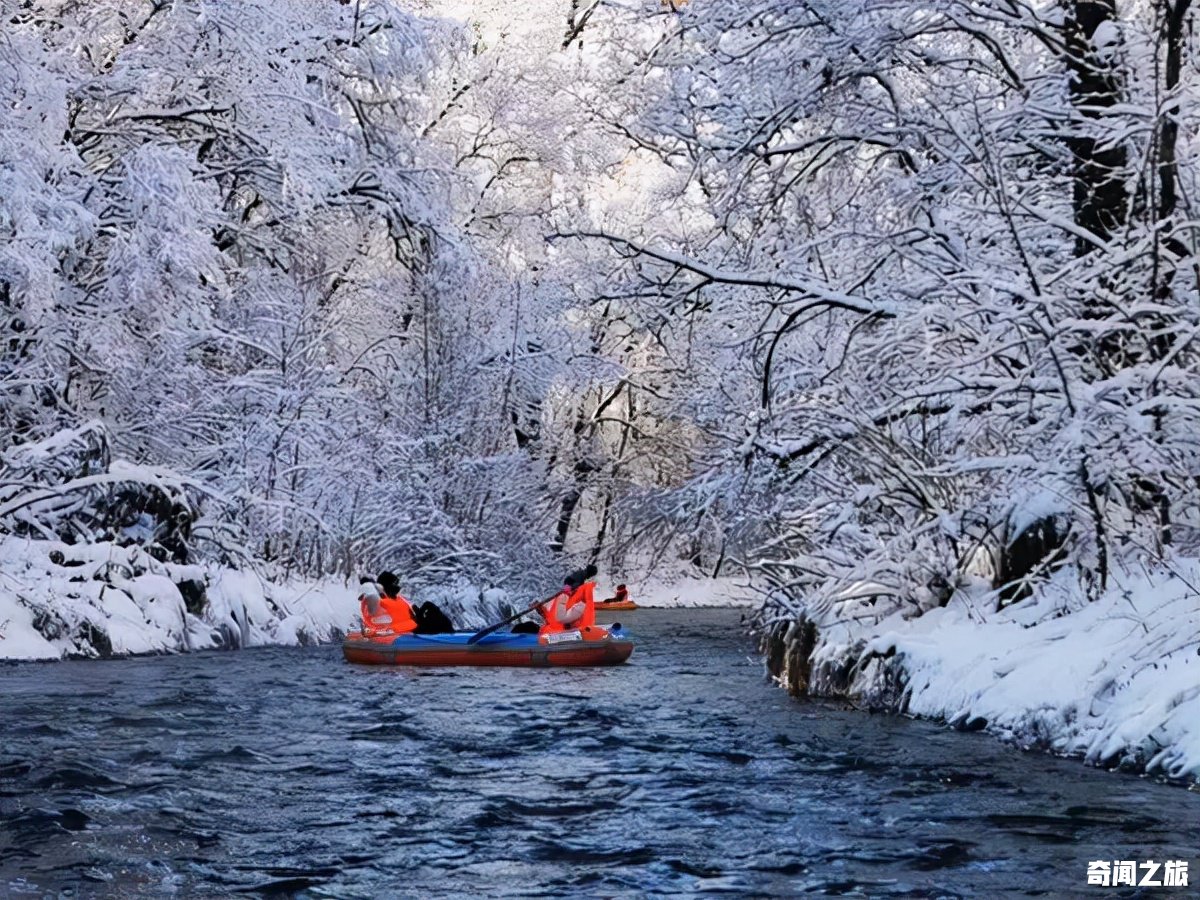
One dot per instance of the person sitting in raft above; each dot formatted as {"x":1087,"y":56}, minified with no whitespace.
{"x":382,"y":615}
{"x":395,"y":605}
{"x":428,"y":618}
{"x":571,"y":583}
{"x":574,"y":607}
{"x":431,"y":619}
{"x":621,"y":596}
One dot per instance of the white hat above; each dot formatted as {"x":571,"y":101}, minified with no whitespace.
{"x":370,"y":593}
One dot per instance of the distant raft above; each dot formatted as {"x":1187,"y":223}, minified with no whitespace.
{"x":502,"y":648}
{"x":616,"y":604}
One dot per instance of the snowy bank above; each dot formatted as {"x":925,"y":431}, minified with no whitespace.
{"x":59,"y":600}
{"x":1115,"y":681}
{"x":689,"y":591}
{"x":102,"y":599}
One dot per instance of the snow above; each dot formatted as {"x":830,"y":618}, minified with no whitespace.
{"x":1115,"y":681}
{"x":498,"y":21}
{"x":679,"y":591}
{"x":104,"y":593}
{"x":1040,"y":506}
{"x":119,"y":595}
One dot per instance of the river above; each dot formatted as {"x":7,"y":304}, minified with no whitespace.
{"x":287,"y":772}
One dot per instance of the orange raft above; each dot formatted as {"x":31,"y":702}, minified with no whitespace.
{"x":616,"y":604}
{"x":500,"y":649}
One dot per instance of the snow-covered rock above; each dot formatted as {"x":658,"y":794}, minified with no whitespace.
{"x":1115,"y":681}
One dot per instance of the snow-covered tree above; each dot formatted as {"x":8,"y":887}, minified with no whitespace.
{"x":947,"y":290}
{"x":231,"y":248}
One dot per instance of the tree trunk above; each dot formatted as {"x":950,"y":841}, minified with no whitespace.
{"x":1095,"y":86}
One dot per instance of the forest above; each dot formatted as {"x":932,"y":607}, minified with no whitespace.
{"x":887,"y":310}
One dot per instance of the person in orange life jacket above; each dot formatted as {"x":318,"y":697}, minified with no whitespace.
{"x":377,"y":619}
{"x":574,"y":606}
{"x":571,"y":583}
{"x":395,"y":606}
{"x":621,"y":596}
{"x":428,"y":617}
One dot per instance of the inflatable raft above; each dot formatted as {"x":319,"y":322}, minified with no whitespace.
{"x":616,"y":604}
{"x":502,"y":648}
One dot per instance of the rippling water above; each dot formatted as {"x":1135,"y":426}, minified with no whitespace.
{"x":288,"y":772}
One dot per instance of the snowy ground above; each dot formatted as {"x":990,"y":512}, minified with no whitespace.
{"x":1116,"y":681}
{"x":685,"y":591}
{"x":102,"y":599}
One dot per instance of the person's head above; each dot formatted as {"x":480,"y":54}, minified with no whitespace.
{"x":621,"y":589}
{"x":590,"y":571}
{"x":389,"y":582}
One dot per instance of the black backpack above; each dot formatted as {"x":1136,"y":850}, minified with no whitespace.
{"x":431,"y":620}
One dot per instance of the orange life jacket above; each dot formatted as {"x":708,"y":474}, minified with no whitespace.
{"x":394,"y":616}
{"x":549,"y":613}
{"x":583,"y":594}
{"x":401,"y":614}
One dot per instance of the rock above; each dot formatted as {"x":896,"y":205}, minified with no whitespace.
{"x":195,"y":596}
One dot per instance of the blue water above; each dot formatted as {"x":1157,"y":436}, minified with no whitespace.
{"x":287,"y":772}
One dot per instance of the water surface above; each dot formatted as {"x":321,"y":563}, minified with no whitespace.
{"x":287,"y":772}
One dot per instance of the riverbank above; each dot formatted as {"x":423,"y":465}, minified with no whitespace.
{"x":1114,"y":681}
{"x":85,"y":600}
{"x":100,"y":600}
{"x":690,"y":592}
